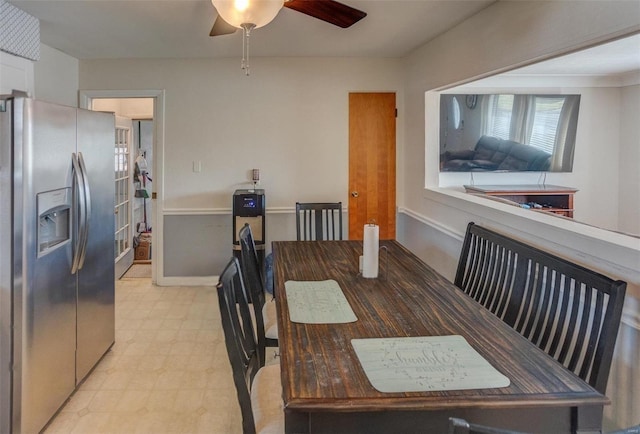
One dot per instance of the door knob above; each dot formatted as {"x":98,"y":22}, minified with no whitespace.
{"x":354,"y":194}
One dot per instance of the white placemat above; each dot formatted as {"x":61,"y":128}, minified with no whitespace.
{"x":317,"y":302}
{"x":428,"y":363}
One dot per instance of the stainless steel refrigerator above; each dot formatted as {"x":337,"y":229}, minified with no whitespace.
{"x":56,"y":255}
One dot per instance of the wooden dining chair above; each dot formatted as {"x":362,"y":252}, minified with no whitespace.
{"x":570,"y":312}
{"x":259,"y":389}
{"x":264,"y":309}
{"x":461,"y":426}
{"x":319,"y":221}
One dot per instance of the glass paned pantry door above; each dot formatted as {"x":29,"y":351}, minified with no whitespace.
{"x":124,"y":193}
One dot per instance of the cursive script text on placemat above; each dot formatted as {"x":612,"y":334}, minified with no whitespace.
{"x":425,"y":363}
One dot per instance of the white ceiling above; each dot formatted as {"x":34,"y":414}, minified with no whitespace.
{"x":91,"y":29}
{"x":98,"y":29}
{"x":614,"y":58}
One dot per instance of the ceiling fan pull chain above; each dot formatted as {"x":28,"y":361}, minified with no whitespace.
{"x":243,"y":64}
{"x":247,"y":64}
{"x":246,"y":33}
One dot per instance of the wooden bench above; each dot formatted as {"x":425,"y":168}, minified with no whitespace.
{"x":570,"y":312}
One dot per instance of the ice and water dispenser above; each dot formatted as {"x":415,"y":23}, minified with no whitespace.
{"x":54,"y":219}
{"x":249,"y":207}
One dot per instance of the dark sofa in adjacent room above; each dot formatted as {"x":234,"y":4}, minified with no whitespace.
{"x":493,"y":153}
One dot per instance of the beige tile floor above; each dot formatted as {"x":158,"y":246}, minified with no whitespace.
{"x":168,"y":371}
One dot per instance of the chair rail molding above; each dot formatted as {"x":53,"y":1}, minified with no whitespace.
{"x":458,"y":236}
{"x":608,"y":252}
{"x":229,"y":210}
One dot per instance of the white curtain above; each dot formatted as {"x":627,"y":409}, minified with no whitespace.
{"x":522,"y":118}
{"x":486,"y":113}
{"x":562,"y":155}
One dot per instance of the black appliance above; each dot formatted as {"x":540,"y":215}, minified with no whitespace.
{"x":249,"y":206}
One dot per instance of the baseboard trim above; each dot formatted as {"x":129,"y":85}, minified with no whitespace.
{"x":188,"y":281}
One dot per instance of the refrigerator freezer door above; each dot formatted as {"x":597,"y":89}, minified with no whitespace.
{"x":44,"y":289}
{"x":6,"y":264}
{"x":96,"y":281}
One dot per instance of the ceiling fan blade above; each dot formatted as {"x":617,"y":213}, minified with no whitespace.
{"x":330,"y":11}
{"x":221,"y":27}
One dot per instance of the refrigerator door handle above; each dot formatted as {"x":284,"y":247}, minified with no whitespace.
{"x":87,"y":215}
{"x":80,"y":208}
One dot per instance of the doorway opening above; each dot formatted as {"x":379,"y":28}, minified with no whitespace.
{"x":133,"y":165}
{"x":138,"y":237}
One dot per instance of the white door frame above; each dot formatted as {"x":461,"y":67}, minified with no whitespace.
{"x":85,"y":101}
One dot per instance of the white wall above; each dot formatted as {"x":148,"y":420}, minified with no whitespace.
{"x":504,"y":36}
{"x":53,"y":78}
{"x":289,"y":119}
{"x":629,"y":196}
{"x":16,"y":73}
{"x":56,"y":77}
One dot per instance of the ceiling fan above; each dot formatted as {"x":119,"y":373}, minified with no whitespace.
{"x":330,"y":11}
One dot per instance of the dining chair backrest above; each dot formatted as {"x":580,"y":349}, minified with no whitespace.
{"x":487,"y":268}
{"x":461,"y":426}
{"x":250,"y":269}
{"x":239,"y":337}
{"x":570,"y":312}
{"x":319,"y":221}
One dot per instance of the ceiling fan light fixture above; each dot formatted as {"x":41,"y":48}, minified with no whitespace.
{"x":243,"y":12}
{"x":247,"y":15}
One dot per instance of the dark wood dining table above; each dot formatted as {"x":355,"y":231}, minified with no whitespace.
{"x":326,"y":390}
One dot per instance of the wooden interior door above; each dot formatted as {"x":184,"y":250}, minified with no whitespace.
{"x":372,"y":163}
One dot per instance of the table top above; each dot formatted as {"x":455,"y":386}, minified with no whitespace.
{"x":320,"y":368}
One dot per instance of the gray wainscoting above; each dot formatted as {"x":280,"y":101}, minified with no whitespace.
{"x":624,"y":379}
{"x":196,"y":245}
{"x":438,"y":247}
{"x":201,"y":245}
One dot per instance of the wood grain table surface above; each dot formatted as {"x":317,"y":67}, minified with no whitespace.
{"x":325,"y":388}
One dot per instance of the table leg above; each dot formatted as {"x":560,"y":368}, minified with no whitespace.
{"x":587,"y":420}
{"x":296,"y":422}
